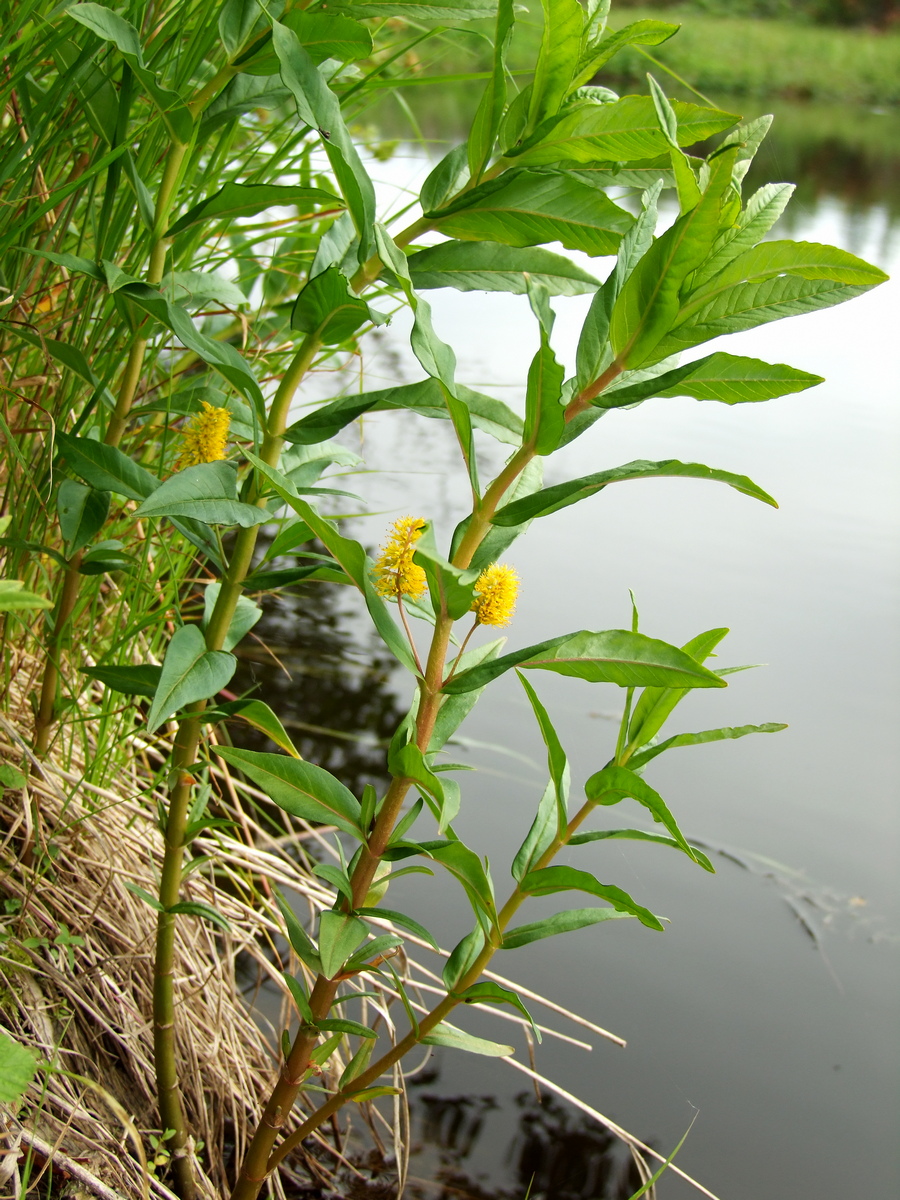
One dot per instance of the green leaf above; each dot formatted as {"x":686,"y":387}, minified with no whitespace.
{"x":221,"y":356}
{"x":648,"y":304}
{"x":543,"y":830}
{"x":493,"y":267}
{"x":449,"y":177}
{"x":322,"y":36}
{"x":427,"y":398}
{"x":462,"y":958}
{"x":106,"y":556}
{"x":699,"y":739}
{"x":295,"y":987}
{"x":468,"y":868}
{"x":247,"y":199}
{"x":416,"y":10}
{"x":113,"y":28}
{"x":194,"y":908}
{"x":105,"y":467}
{"x":639,"y":33}
{"x":446,"y":1034}
{"x":563,"y":494}
{"x":408,"y":762}
{"x":336,"y":877}
{"x":656,"y":703}
{"x":613,"y":656}
{"x":339,"y":935}
{"x":544,"y":414}
{"x":18,"y":1067}
{"x":342,"y":1025}
{"x":357,"y":1063}
{"x":82,"y":511}
{"x":762,"y":210}
{"x":13,"y":596}
{"x":238,"y":19}
{"x":130,"y":681}
{"x":329,"y":309}
{"x":245,"y":616}
{"x":639,"y":835}
{"x":197,"y":288}
{"x":489,"y":992}
{"x":368,"y":955}
{"x":260,"y":716}
{"x":206,"y":492}
{"x":564,"y":922}
{"x":322,"y":1053}
{"x":455,"y":709}
{"x":190,"y":672}
{"x":557,"y":763}
{"x":289,"y":537}
{"x":549,"y":880}
{"x":450,"y":589}
{"x":622,"y":131}
{"x":560,"y":47}
{"x":532,"y":205}
{"x":808,"y":260}
{"x":351,"y":556}
{"x":300,"y":788}
{"x":12,"y":777}
{"x":300,"y":941}
{"x":320,"y":108}
{"x":401,"y":919}
{"x":727,"y":378}
{"x":488,"y":115}
{"x":143,"y":895}
{"x":611,"y":784}
{"x":372,"y":1093}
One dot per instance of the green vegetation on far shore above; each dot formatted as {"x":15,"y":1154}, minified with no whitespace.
{"x":752,"y":56}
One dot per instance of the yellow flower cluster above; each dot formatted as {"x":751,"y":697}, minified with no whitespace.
{"x":395,"y":572}
{"x":204,"y":436}
{"x":496,"y":590}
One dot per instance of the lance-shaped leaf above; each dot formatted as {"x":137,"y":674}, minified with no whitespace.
{"x":349,"y":553}
{"x":302,"y":944}
{"x":613,"y":656}
{"x":258,"y":714}
{"x":300,"y":788}
{"x":446,"y":1034}
{"x":549,"y":880}
{"x":493,"y":267}
{"x":483,"y":134}
{"x":82,"y":511}
{"x":329,"y":309}
{"x":18,"y":1066}
{"x":762,"y":210}
{"x":408,"y":762}
{"x":246,"y":615}
{"x":560,"y":47}
{"x":369,"y":956}
{"x":207,"y":493}
{"x":534,"y":205}
{"x":489,"y":992}
{"x":544,"y":829}
{"x":455,"y":709}
{"x":417,"y":10}
{"x":427,"y":398}
{"x":106,"y":467}
{"x":339,"y":935}
{"x":622,"y":131}
{"x":557,"y":763}
{"x":298,"y":994}
{"x":320,"y":108}
{"x":246,"y":199}
{"x":498,"y":537}
{"x":322,"y":35}
{"x":611,"y":784}
{"x":700,"y":739}
{"x":728,"y":378}
{"x":639,"y":33}
{"x":563,"y":494}
{"x":401,"y":919}
{"x":648,"y":304}
{"x":468,"y":868}
{"x":130,"y":681}
{"x":190,"y":672}
{"x":564,"y":922}
{"x":113,"y":28}
{"x":450,"y":589}
{"x":657,"y":703}
{"x":13,"y":597}
{"x":221,"y":356}
{"x":545,"y":419}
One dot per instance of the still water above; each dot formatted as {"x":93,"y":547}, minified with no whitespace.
{"x":769,"y":1008}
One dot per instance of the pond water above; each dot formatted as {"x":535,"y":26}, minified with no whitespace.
{"x":769,"y":1008}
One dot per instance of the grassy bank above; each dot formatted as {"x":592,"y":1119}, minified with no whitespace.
{"x":770,"y":58}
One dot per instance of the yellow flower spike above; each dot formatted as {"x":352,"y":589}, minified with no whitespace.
{"x":204,"y":436}
{"x":496,"y":590}
{"x":395,"y":572}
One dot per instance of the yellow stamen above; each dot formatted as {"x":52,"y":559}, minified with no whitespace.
{"x":395,"y":572}
{"x":496,"y":590}
{"x":204,"y":436}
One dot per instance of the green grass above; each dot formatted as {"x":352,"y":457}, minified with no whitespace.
{"x":769,"y":58}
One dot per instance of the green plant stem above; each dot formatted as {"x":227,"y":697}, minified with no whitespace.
{"x":46,"y":713}
{"x":435,"y":1016}
{"x":260,"y":1159}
